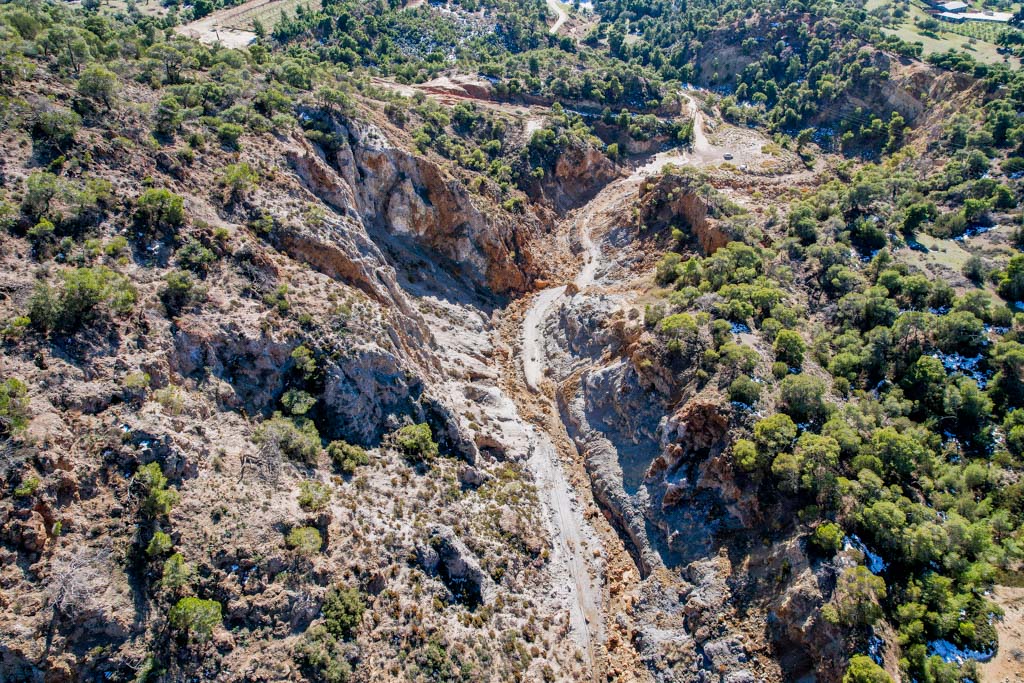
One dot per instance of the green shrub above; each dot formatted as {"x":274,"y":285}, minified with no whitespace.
{"x":862,"y":669}
{"x":744,"y":390}
{"x":417,"y":443}
{"x":323,"y":656}
{"x":171,"y":399}
{"x":789,"y":348}
{"x":15,"y":328}
{"x":76,"y":303}
{"x":159,"y":211}
{"x":1011,"y":287}
{"x":180,"y":292}
{"x":305,"y":540}
{"x":239,"y":179}
{"x":27,"y":487}
{"x":297,"y":402}
{"x":57,"y":127}
{"x":278,"y":299}
{"x":347,"y":457}
{"x":137,"y":381}
{"x":117,"y":246}
{"x":775,"y":434}
{"x":42,"y":236}
{"x":159,"y":498}
{"x":304,"y":361}
{"x":196,"y":618}
{"x":828,"y":538}
{"x":745,"y":454}
{"x":159,"y":544}
{"x":98,"y":83}
{"x":314,"y":495}
{"x":168,"y":116}
{"x":13,"y":406}
{"x":40,"y":190}
{"x":856,"y":598}
{"x":343,"y":610}
{"x":779,"y":370}
{"x":804,"y":397}
{"x":177,"y":573}
{"x":297,"y":438}
{"x":194,"y":256}
{"x":229,"y":134}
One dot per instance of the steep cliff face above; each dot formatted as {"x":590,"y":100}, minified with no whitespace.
{"x":679,"y":201}
{"x":579,"y":173}
{"x":411,"y":199}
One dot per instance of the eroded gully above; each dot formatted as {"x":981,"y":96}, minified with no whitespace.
{"x":575,"y":541}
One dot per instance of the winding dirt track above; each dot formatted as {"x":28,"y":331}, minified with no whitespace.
{"x":562,"y":16}
{"x":573,"y":532}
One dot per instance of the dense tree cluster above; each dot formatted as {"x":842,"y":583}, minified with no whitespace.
{"x":892,"y":407}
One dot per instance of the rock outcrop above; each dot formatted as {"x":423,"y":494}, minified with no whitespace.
{"x":446,"y":556}
{"x":416,"y":203}
{"x":678,"y":200}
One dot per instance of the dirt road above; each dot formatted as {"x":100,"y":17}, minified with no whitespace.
{"x":551,"y":482}
{"x":222,"y":26}
{"x":556,"y":7}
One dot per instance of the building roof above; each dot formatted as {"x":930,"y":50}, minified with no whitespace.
{"x":954,"y":6}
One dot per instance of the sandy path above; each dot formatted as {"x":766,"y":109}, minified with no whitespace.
{"x":556,"y":7}
{"x":1008,"y":664}
{"x":215,"y":27}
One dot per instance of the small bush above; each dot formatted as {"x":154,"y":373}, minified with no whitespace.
{"x":177,"y":573}
{"x":98,"y":83}
{"x":13,"y":406}
{"x":137,"y":381}
{"x":43,"y":237}
{"x":744,"y":390}
{"x":804,"y":397}
{"x":239,"y":179}
{"x":343,"y":610}
{"x":194,"y":256}
{"x":57,"y":127}
{"x":40,"y":189}
{"x":278,"y":299}
{"x":863,"y":669}
{"x":305,"y":540}
{"x":789,"y":348}
{"x":417,"y":443}
{"x":304,"y":361}
{"x":159,"y":499}
{"x":229,"y":134}
{"x":745,"y":455}
{"x":77,"y":302}
{"x":27,"y":487}
{"x":322,"y":654}
{"x":159,"y":544}
{"x":347,"y":457}
{"x":171,"y":399}
{"x":296,"y":438}
{"x":159,"y":211}
{"x":169,"y":116}
{"x":297,"y":402}
{"x":180,"y":292}
{"x":196,"y":618}
{"x":828,"y":538}
{"x":314,"y":495}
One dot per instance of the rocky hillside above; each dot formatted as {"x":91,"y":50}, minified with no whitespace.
{"x":384,"y":349}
